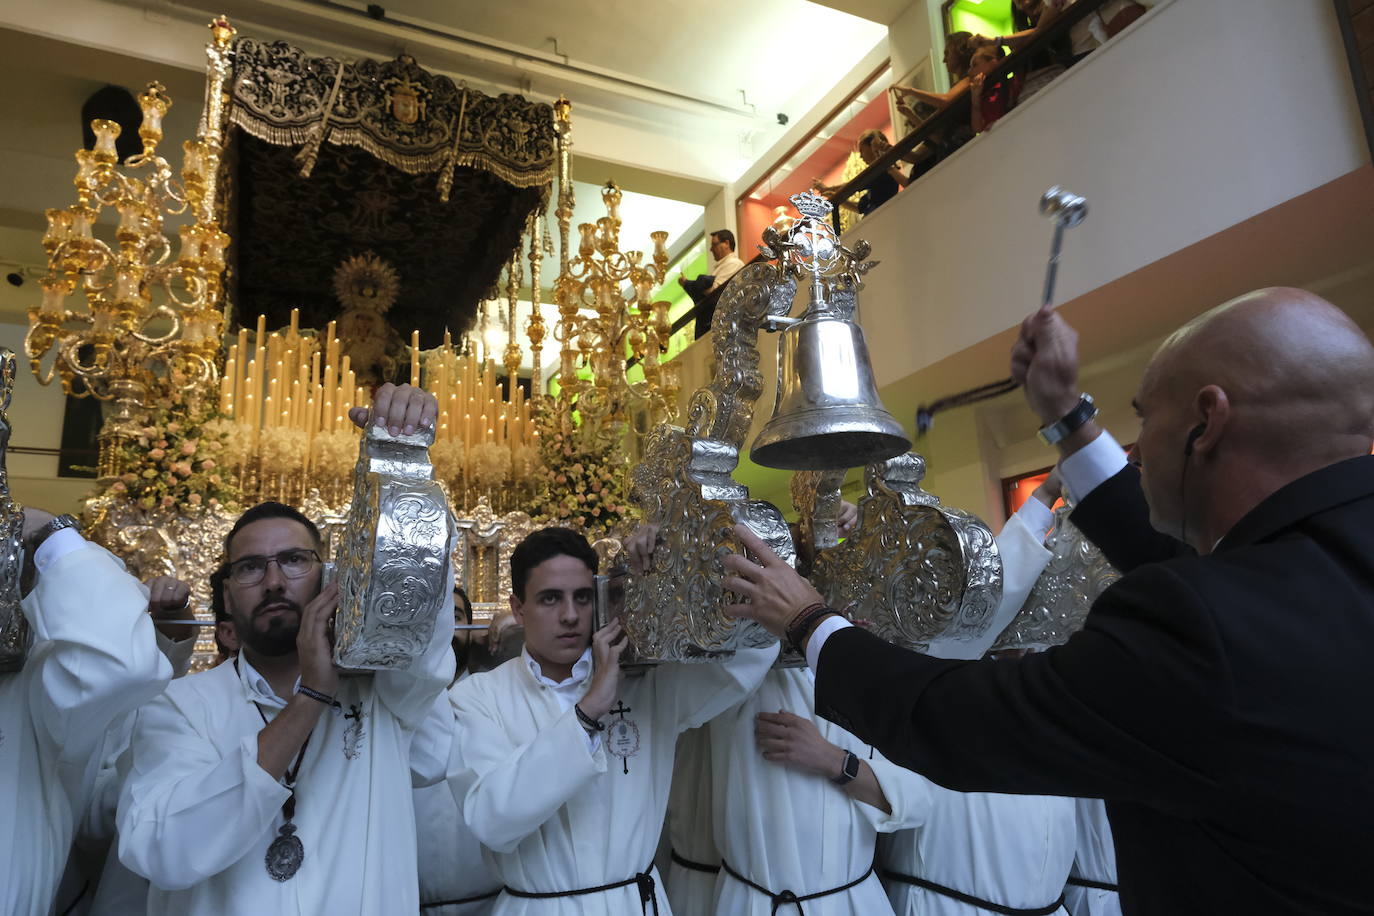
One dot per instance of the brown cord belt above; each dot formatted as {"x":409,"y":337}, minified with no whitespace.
{"x":789,"y":897}
{"x":461,"y":900}
{"x":694,"y":866}
{"x":972,"y":900}
{"x":1095,"y":885}
{"x":644,"y":881}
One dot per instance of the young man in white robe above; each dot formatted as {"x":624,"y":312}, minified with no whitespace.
{"x":799,"y":805}
{"x":454,"y":879}
{"x":93,"y":659}
{"x":693,"y":860}
{"x":1013,"y":851}
{"x":271,"y":784}
{"x":561,"y":765}
{"x":1092,"y":882}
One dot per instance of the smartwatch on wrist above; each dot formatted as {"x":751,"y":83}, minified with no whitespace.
{"x":1082,"y":412}
{"x":848,"y":771}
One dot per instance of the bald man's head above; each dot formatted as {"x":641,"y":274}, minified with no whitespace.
{"x":1262,"y":389}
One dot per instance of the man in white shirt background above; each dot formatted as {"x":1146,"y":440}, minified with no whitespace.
{"x":93,"y":659}
{"x":705,"y":290}
{"x":272,"y":784}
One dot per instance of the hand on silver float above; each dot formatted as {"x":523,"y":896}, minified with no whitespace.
{"x":34,"y":519}
{"x":776,"y":591}
{"x":640,"y":547}
{"x":315,"y":643}
{"x":1045,"y":361}
{"x":400,"y":408}
{"x":793,"y":741}
{"x":607,"y":645}
{"x":168,"y":597}
{"x":848,"y":518}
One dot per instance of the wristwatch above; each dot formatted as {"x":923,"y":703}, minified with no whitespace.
{"x":1066,"y":425}
{"x":48,"y":530}
{"x":848,"y":771}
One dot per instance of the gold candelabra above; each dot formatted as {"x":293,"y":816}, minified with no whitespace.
{"x":151,"y":321}
{"x":627,"y":331}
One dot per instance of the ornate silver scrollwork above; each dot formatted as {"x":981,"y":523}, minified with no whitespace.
{"x":684,"y":485}
{"x":14,"y":628}
{"x":393,"y":560}
{"x":914,"y":570}
{"x":1058,"y":605}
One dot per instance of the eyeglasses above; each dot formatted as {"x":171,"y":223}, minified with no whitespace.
{"x":293,"y":564}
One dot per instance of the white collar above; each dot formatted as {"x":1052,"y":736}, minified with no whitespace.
{"x":581,"y":670}
{"x":259,"y":691}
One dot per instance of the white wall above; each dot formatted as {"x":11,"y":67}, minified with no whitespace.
{"x":1204,"y":114}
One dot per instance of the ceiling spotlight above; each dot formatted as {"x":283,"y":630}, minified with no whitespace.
{"x":15,"y":278}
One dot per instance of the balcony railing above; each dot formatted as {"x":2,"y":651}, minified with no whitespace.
{"x":955,"y":113}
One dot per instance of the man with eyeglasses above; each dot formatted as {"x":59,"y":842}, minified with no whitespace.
{"x":270,"y":784}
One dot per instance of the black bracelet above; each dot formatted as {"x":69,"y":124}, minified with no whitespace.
{"x":797,"y":633}
{"x":587,"y":721}
{"x":324,"y":698}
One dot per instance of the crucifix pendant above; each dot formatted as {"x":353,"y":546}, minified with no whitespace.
{"x":622,"y":737}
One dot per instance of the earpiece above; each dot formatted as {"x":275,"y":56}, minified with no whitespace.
{"x":1193,"y":435}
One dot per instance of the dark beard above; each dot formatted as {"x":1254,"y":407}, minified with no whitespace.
{"x":278,"y":639}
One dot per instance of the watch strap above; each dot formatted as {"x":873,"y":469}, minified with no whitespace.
{"x":848,"y":771}
{"x":1066,"y":425}
{"x":48,"y":530}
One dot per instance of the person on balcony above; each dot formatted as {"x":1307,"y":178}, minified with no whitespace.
{"x":871,"y":146}
{"x":994,"y":94}
{"x":705,"y":289}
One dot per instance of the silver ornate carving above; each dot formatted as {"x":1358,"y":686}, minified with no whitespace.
{"x":14,"y":627}
{"x":1058,"y":605}
{"x":684,"y":485}
{"x":393,"y":560}
{"x":913,"y":571}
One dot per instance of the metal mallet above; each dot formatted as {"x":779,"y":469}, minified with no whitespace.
{"x":1067,"y":210}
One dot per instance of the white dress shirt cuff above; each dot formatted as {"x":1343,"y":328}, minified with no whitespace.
{"x":1091,"y":466}
{"x":820,"y":635}
{"x":1036,"y":516}
{"x":56,"y":546}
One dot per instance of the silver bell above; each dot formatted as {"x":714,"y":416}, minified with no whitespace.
{"x":827,"y":413}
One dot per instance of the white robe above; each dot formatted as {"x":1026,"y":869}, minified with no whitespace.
{"x":692,"y":891}
{"x":94,"y":880}
{"x":787,"y":829}
{"x":450,"y":857}
{"x":94,"y":659}
{"x":197,"y":812}
{"x":1095,"y":859}
{"x":555,"y":814}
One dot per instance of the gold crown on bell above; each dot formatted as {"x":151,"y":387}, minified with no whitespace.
{"x":812,"y":205}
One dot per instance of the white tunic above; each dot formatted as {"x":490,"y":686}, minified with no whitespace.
{"x":691,"y":834}
{"x":94,"y":659}
{"x":197,"y":812}
{"x":555,"y":812}
{"x":787,"y":829}
{"x":450,"y":857}
{"x":1014,"y":850}
{"x":1095,"y":859}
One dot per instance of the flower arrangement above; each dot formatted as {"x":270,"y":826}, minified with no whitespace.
{"x":181,"y":460}
{"x":585,"y":475}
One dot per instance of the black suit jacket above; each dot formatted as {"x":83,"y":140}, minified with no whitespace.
{"x":1223,"y":705}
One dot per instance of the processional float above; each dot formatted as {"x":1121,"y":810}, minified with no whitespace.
{"x":939,"y":570}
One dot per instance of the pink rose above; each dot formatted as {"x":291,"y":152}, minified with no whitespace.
{"x":119,"y":487}
{"x":142,"y":441}
{"x":213,"y":501}
{"x":129,"y":477}
{"x":168,"y":502}
{"x":207,"y":464}
{"x":182,"y":468}
{"x":161,"y":443}
{"x":215,"y":479}
{"x":174,"y":427}
{"x":157,"y":454}
{"x":149,"y":431}
{"x":189,"y":447}
{"x":194,"y":499}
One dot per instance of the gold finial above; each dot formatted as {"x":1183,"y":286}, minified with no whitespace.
{"x":221,"y":31}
